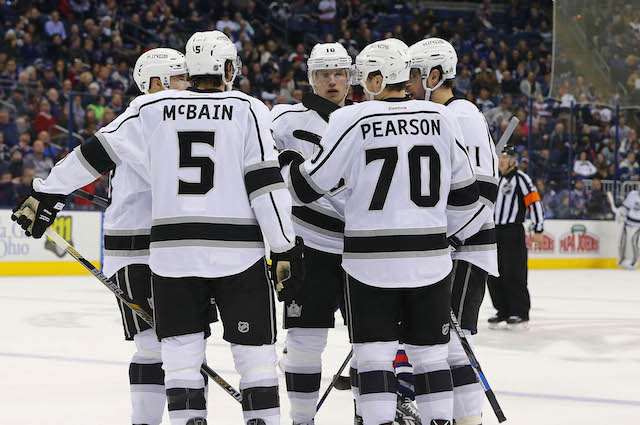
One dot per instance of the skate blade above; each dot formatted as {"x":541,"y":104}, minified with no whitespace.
{"x":519,"y":327}
{"x":498,"y":326}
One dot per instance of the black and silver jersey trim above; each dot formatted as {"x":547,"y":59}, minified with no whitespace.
{"x":395,"y":243}
{"x":127,"y":243}
{"x":222,"y":232}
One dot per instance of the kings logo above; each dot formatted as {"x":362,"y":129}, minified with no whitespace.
{"x":294,"y":310}
{"x":62,"y":226}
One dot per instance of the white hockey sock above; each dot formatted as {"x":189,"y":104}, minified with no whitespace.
{"x":182,"y":357}
{"x":146,"y":379}
{"x":468,"y":395}
{"x":258,"y":382}
{"x":377,"y":381}
{"x":303,"y":367}
{"x":433,"y":383}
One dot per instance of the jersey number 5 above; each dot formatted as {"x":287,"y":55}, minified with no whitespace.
{"x":186,"y":139}
{"x":390,"y":160}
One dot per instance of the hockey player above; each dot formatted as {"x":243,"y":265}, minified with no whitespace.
{"x":216,"y":187}
{"x":433,"y":72}
{"x":127,"y":227}
{"x":410,"y":186}
{"x":309,"y":312}
{"x":629,"y":214}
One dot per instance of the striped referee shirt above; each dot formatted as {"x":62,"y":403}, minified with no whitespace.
{"x":516,"y":195}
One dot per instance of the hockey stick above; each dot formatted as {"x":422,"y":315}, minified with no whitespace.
{"x":507,"y":134}
{"x":476,"y":366}
{"x":98,"y":200}
{"x":335,"y":379}
{"x":62,"y":243}
{"x":612,"y":203}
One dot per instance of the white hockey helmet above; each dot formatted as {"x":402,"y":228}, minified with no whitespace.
{"x":207,"y":52}
{"x":328,"y":56}
{"x":162,"y":63}
{"x":390,"y":57}
{"x":430,"y":53}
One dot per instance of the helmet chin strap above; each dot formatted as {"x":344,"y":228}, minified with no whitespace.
{"x":371,"y":94}
{"x":427,"y":91}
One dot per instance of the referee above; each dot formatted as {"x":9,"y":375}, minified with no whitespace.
{"x":516,"y":195}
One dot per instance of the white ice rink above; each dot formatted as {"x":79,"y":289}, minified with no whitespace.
{"x":63,"y":360}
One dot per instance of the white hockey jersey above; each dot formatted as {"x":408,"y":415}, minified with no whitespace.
{"x":300,"y":127}
{"x":127,"y":221}
{"x":410,"y":185}
{"x":480,"y":249}
{"x":212,"y":167}
{"x":632,"y":206}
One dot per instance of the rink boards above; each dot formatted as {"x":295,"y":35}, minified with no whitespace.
{"x":567,"y":244}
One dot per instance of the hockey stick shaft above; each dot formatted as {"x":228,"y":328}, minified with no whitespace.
{"x":119,"y":293}
{"x":476,"y":366}
{"x":513,"y":123}
{"x":612,"y":202}
{"x":98,"y":200}
{"x":335,"y":379}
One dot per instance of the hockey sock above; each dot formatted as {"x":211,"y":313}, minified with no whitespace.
{"x":468,"y":395}
{"x":182,"y":357}
{"x":377,"y":381}
{"x":258,"y":382}
{"x":433,"y":382}
{"x":302,"y":367}
{"x":355,"y":386}
{"x":146,"y":379}
{"x":404,"y":373}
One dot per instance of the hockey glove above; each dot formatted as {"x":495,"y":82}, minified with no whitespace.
{"x":288,"y":270}
{"x":37,"y":212}
{"x":289,"y":156}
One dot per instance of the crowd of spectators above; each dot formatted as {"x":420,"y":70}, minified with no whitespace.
{"x":66,"y":67}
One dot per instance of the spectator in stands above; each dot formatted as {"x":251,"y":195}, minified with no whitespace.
{"x":583,"y":167}
{"x":44,"y":120}
{"x":628,"y":168}
{"x":55,"y":26}
{"x":49,"y":150}
{"x":18,"y":102}
{"x":609,"y":150}
{"x":23,"y":183}
{"x":627,"y":141}
{"x":548,"y":198}
{"x":15,"y":164}
{"x":5,"y":152}
{"x":598,"y":206}
{"x":38,"y":161}
{"x":579,"y":199}
{"x":624,"y":129}
{"x":8,"y":195}
{"x":483,"y":102}
{"x":8,"y":128}
{"x":529,"y":86}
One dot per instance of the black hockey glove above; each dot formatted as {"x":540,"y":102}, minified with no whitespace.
{"x":290,"y":156}
{"x":288,"y":271}
{"x":37,"y":212}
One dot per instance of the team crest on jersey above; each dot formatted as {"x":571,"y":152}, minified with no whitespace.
{"x":507,"y":189}
{"x":62,"y":226}
{"x":243,"y":327}
{"x":445,"y":329}
{"x":294,"y":310}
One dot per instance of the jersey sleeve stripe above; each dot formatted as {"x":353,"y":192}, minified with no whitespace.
{"x":464,"y":196}
{"x":86,"y":163}
{"x":304,"y":191}
{"x":464,"y":183}
{"x":96,"y":156}
{"x":488,"y":191}
{"x":107,"y":148}
{"x":483,"y":237}
{"x":275,"y":208}
{"x":318,"y":219}
{"x":263,"y":180}
{"x":126,"y":243}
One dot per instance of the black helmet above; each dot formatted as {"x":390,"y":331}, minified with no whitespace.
{"x":509,"y":150}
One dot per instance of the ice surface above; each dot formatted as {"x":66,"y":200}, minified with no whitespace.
{"x":63,"y":360}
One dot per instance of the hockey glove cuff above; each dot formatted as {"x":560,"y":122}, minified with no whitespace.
{"x":288,"y":271}
{"x":289,"y":156}
{"x":37,"y":212}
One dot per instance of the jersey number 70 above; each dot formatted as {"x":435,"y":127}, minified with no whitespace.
{"x":390,"y":158}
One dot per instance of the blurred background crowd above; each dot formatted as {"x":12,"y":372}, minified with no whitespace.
{"x":66,"y":71}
